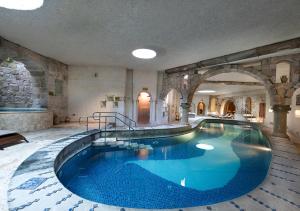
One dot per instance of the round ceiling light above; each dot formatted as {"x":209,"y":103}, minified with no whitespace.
{"x":21,"y":4}
{"x":144,"y":53}
{"x":207,"y":91}
{"x":205,"y":146}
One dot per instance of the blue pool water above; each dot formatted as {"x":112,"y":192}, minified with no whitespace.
{"x":176,"y":173}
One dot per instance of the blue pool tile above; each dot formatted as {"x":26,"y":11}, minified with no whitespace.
{"x":32,"y":183}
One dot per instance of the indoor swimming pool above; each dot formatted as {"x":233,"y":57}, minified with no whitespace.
{"x":216,"y":162}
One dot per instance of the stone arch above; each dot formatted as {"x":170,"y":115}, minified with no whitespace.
{"x":248,"y":71}
{"x":167,"y":90}
{"x":16,"y":90}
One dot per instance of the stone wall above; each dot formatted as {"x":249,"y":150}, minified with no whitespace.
{"x":16,"y":85}
{"x":30,"y":80}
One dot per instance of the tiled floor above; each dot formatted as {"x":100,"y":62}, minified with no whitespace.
{"x":13,"y":156}
{"x":280,"y":191}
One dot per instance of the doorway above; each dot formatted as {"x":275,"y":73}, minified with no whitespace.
{"x":201,"y":108}
{"x":229,"y":107}
{"x":262,"y":110}
{"x":144,"y":108}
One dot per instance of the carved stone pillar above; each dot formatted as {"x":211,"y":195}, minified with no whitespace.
{"x":280,"y":123}
{"x":185,"y":113}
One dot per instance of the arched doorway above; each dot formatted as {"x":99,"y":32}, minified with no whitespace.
{"x":201,"y":108}
{"x":229,"y":107}
{"x":172,"y":106}
{"x":248,"y":105}
{"x":144,"y":108}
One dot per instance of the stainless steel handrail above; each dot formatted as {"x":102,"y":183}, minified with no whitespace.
{"x":98,"y":116}
{"x":115,"y":115}
{"x":87,"y":121}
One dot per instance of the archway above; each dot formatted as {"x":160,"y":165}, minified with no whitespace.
{"x":252,"y":72}
{"x":144,"y":99}
{"x":232,"y":84}
{"x":171,"y":107}
{"x":229,"y":108}
{"x":201,"y":109}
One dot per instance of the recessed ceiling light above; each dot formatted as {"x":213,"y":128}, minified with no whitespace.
{"x":207,"y":91}
{"x":144,"y":53}
{"x":21,"y":4}
{"x":205,"y":146}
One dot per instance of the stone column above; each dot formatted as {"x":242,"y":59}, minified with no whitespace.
{"x":185,"y":113}
{"x":128,"y":107}
{"x":280,"y":123}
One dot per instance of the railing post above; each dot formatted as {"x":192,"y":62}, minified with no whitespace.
{"x":116,"y":126}
{"x":87,"y":123}
{"x":99,"y":121}
{"x":105,"y":130}
{"x":129,"y":131}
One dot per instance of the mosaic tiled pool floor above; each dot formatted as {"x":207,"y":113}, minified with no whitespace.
{"x":35,"y":187}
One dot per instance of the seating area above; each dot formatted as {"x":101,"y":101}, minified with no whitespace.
{"x":8,"y":138}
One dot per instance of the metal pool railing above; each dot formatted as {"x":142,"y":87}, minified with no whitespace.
{"x":105,"y":117}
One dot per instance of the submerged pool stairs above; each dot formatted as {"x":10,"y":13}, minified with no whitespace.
{"x":122,"y":144}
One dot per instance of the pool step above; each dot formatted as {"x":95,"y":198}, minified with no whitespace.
{"x":135,"y":146}
{"x":120,"y":144}
{"x":103,"y":142}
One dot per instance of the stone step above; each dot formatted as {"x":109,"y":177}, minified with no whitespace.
{"x":112,"y":141}
{"x":121,"y":144}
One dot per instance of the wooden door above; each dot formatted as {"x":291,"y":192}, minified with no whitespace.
{"x":144,"y":108}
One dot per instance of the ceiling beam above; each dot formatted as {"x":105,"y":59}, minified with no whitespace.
{"x":254,"y":52}
{"x":234,"y":83}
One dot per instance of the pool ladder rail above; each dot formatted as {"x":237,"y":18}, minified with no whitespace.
{"x":110,"y":120}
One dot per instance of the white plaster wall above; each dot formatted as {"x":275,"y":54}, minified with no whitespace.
{"x":145,"y":79}
{"x":293,"y":120}
{"x":86,"y":91}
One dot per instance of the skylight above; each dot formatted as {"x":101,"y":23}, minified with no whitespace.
{"x":21,"y":4}
{"x":144,"y":53}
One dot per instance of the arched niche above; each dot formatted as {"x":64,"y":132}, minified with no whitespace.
{"x":283,"y":70}
{"x":201,"y":108}
{"x":16,"y":86}
{"x":229,"y":107}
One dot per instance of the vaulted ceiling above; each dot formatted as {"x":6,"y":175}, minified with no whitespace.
{"x":237,"y":83}
{"x":104,"y":32}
